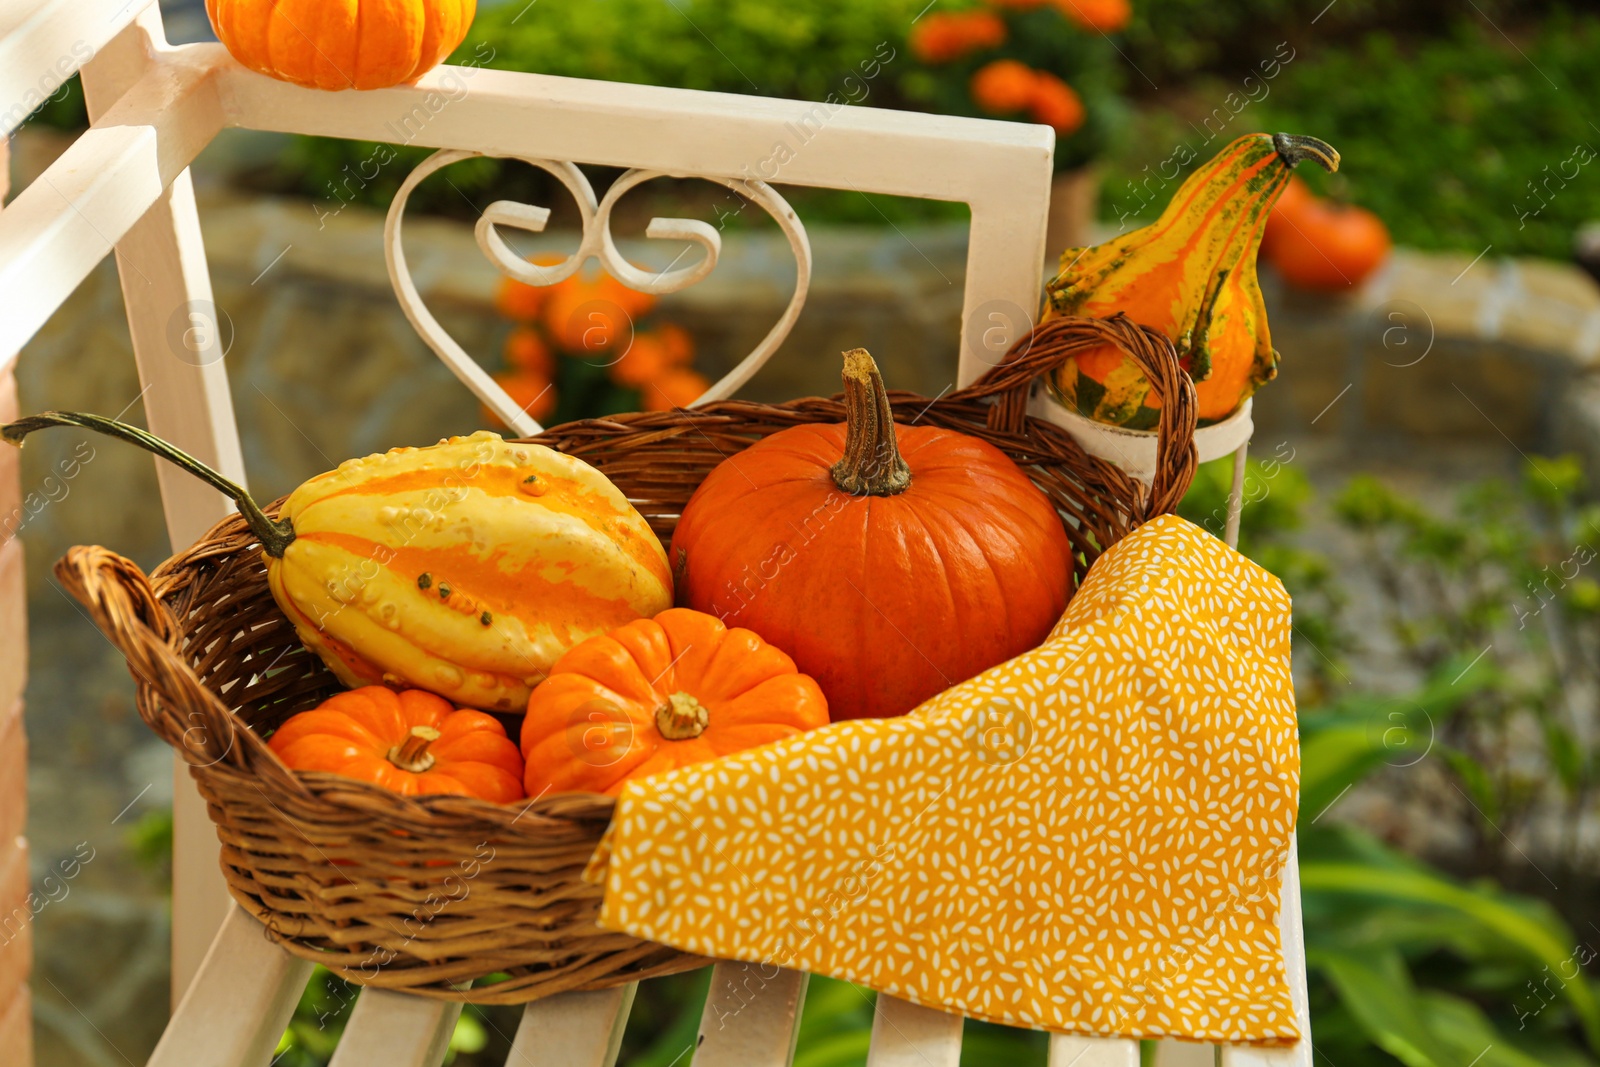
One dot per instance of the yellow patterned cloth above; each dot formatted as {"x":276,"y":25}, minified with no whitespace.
{"x":1088,"y":838}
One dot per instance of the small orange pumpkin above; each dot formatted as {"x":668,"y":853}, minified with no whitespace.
{"x":658,"y":694}
{"x":1285,"y":214}
{"x":1330,"y":247}
{"x":354,"y":44}
{"x":411,"y":742}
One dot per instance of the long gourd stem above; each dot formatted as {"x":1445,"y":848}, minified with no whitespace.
{"x":276,"y":534}
{"x":872,"y":464}
{"x":1295,"y":148}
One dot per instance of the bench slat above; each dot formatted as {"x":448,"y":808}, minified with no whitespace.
{"x":45,"y":42}
{"x":389,"y":1029}
{"x":1185,"y":1054}
{"x":1093,"y":1051}
{"x":60,"y":227}
{"x":573,"y":1029}
{"x":751,"y":1017}
{"x":238,"y":1006}
{"x":911,"y":1035}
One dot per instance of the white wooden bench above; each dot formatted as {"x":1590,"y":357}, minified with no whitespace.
{"x":124,"y":187}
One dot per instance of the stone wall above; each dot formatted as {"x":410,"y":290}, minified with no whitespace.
{"x":1438,"y":349}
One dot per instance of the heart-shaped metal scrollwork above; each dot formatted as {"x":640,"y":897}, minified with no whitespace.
{"x":599,"y":244}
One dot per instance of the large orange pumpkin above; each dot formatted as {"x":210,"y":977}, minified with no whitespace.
{"x":891,"y":561}
{"x":661,"y":693}
{"x":410,"y":742}
{"x":341,"y":44}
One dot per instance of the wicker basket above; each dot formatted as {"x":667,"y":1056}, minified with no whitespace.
{"x":429,"y":895}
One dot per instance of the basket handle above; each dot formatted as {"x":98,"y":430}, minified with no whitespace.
{"x":1052,"y":343}
{"x":118,"y":596}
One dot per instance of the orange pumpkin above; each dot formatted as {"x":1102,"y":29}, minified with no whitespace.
{"x":1285,"y":214}
{"x":660,"y":693}
{"x":891,"y":561}
{"x":1330,"y":247}
{"x":410,"y":742}
{"x":354,"y":44}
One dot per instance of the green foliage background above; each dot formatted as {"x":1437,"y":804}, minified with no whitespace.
{"x":1440,"y":135}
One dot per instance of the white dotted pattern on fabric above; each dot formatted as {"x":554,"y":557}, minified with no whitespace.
{"x":1088,"y":838}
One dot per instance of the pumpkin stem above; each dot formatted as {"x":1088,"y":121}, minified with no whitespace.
{"x":872,"y":465}
{"x":1295,"y":148}
{"x":412,"y":754}
{"x":276,"y":534}
{"x":682,"y":717}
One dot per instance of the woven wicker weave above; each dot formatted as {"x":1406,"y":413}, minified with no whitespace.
{"x":428,"y":895}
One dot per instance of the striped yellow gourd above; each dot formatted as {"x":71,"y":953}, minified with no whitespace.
{"x":1190,"y":274}
{"x":466,"y":568}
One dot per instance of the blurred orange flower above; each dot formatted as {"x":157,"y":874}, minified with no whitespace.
{"x":948,"y":35}
{"x":677,"y":387}
{"x":526,"y":351}
{"x":587,"y":318}
{"x":519,"y":302}
{"x":1004,"y":87}
{"x":533,"y":393}
{"x":1107,"y":16}
{"x":1056,"y":104}
{"x":644,"y":361}
{"x":679,"y":344}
